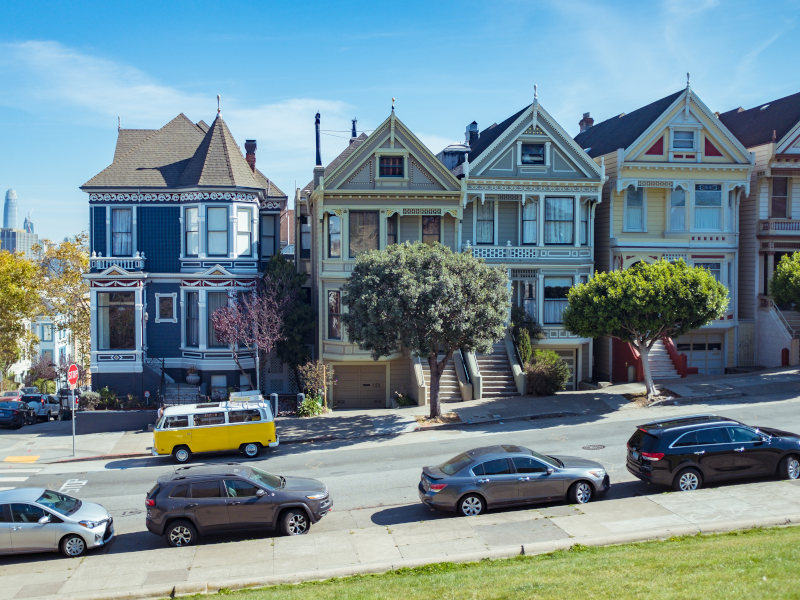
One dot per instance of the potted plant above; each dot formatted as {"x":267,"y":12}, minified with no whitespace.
{"x":192,"y":377}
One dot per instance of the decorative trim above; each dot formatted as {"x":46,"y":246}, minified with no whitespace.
{"x":219,"y":283}
{"x":422,"y":211}
{"x":174,"y":317}
{"x":531,"y":188}
{"x":180,"y":197}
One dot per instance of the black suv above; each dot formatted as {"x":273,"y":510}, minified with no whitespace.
{"x":684,"y":452}
{"x":226,"y":498}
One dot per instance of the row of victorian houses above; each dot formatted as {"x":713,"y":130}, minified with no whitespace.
{"x":182,"y":220}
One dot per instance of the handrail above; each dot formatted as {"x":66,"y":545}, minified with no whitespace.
{"x":464,"y":362}
{"x":771,"y":304}
{"x":678,"y":360}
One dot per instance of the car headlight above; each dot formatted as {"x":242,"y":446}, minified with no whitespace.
{"x":599,"y":473}
{"x":317,"y":496}
{"x":90,"y":524}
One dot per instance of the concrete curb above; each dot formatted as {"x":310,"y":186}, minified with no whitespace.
{"x":460,"y":424}
{"x":687,"y":400}
{"x":100,"y":457}
{"x":213,"y":586}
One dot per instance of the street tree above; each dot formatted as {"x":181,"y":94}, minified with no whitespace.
{"x":19,"y":304}
{"x":425,"y":299}
{"x":64,"y":291}
{"x":644,"y":303}
{"x":252,"y":321}
{"x":785,"y":284}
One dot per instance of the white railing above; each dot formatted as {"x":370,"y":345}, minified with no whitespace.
{"x":523,"y":253}
{"x":792,"y":226}
{"x":129,"y":263}
{"x":770,"y":303}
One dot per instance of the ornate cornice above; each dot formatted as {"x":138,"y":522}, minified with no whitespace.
{"x":177,"y":197}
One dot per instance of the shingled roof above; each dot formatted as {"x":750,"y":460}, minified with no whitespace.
{"x":491,"y":133}
{"x":621,"y":131}
{"x":181,"y":154}
{"x":309,"y":187}
{"x":755,"y":126}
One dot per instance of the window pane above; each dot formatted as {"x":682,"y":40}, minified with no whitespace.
{"x":708,"y":207}
{"x":532,"y":154}
{"x":585,"y":224}
{"x":525,"y":464}
{"x":215,"y":301}
{"x":634,"y":209}
{"x":431,"y":228}
{"x":238,"y":488}
{"x":683,"y":140}
{"x":267,"y":235}
{"x":558,"y":220}
{"x":165,"y":307}
{"x":115,"y":321}
{"x":363,"y":232}
{"x":555,"y":298}
{"x":780,"y":189}
{"x":192,"y":319}
{"x":334,"y":315}
{"x":677,"y":210}
{"x":206,"y":489}
{"x":334,"y":236}
{"x":192,"y":232}
{"x":243,"y":231}
{"x":391,"y":230}
{"x":217,"y":218}
{"x":215,"y":418}
{"x":496,"y":467}
{"x":485,"y":222}
{"x":217,"y":231}
{"x":529,"y":228}
{"x":391,"y":166}
{"x":121,"y":232}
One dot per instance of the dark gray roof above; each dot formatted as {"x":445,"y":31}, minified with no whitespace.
{"x":309,"y":187}
{"x":491,"y":133}
{"x":755,"y":126}
{"x":621,"y":131}
{"x":179,"y":155}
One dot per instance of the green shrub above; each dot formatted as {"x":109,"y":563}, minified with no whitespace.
{"x":310,"y":407}
{"x":524,"y":347}
{"x":404,"y":400}
{"x":108,"y":399}
{"x":522,"y":321}
{"x":45,"y":386}
{"x":547,"y":373}
{"x":89,"y":400}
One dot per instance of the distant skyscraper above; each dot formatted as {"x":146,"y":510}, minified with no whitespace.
{"x":10,"y":214}
{"x":27,"y":226}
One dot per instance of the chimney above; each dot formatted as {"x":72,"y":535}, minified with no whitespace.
{"x":585,"y":122}
{"x":250,"y":156}
{"x":471,"y":135}
{"x":353,"y":132}
{"x":319,"y":170}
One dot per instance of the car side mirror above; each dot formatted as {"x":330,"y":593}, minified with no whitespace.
{"x":44,"y":519}
{"x":550,"y":470}
{"x":260,"y":493}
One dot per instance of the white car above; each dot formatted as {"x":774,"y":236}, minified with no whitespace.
{"x":41,"y":520}
{"x":45,"y":405}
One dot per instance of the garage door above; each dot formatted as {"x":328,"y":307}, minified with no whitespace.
{"x":704,"y":351}
{"x":361,"y":386}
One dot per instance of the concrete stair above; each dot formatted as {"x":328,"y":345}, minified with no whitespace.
{"x":495,"y":370}
{"x":661,"y":365}
{"x":449,"y":391}
{"x":793,"y":319}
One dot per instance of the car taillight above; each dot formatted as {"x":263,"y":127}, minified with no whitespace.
{"x":653,"y":455}
{"x":437,"y":487}
{"x":149,"y":502}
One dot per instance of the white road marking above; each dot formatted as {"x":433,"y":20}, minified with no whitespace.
{"x":72,"y":486}
{"x":10,"y":479}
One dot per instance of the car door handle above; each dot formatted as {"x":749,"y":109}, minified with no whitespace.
{"x":483,"y":480}
{"x":192,"y":505}
{"x":16,"y":528}
{"x":700,"y":452}
{"x":523,"y":478}
{"x":739,"y":449}
{"x":235,"y":502}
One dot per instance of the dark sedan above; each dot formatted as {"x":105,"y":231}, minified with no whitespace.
{"x":505,"y":475}
{"x":15,"y":413}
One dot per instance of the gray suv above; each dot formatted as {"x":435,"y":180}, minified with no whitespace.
{"x":201,"y":500}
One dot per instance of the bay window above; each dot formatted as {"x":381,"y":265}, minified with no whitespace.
{"x":555,"y":298}
{"x":334,"y":236}
{"x":484,"y":232}
{"x":217,"y":235}
{"x":677,"y":210}
{"x":116,"y":326}
{"x":585,"y":224}
{"x":334,"y":315}
{"x":192,"y":319}
{"x":559,"y":220}
{"x":363,"y":231}
{"x":121,"y":232}
{"x":267,"y":236}
{"x":192,"y":228}
{"x":708,"y":206}
{"x":529,"y":224}
{"x":214,"y":301}
{"x":634,"y":209}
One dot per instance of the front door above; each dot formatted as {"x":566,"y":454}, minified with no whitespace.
{"x":534,"y":481}
{"x":26,"y":531}
{"x":245,"y":508}
{"x":497,"y":481}
{"x":714,"y":452}
{"x":207,"y":503}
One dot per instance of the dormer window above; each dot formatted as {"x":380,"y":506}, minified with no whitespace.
{"x":683,"y":140}
{"x":390,"y":166}
{"x":532,"y":154}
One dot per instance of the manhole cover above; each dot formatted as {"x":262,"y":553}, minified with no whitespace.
{"x":594,"y":447}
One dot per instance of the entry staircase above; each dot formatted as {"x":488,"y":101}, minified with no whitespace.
{"x":496,"y":375}
{"x":792,"y":318}
{"x":661,"y":365}
{"x":448,"y":383}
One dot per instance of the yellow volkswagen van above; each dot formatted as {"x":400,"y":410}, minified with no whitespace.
{"x":245,"y":424}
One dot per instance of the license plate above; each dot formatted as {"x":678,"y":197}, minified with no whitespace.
{"x":635,"y":455}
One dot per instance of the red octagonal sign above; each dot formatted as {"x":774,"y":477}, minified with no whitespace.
{"x":72,"y":374}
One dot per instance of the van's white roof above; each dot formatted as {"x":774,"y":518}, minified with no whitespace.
{"x":208,"y":407}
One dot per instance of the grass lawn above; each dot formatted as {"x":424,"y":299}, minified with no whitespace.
{"x":759,"y":563}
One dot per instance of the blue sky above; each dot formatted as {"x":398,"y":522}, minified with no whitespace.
{"x":68,"y":69}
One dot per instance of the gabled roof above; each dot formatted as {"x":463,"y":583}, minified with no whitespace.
{"x":491,"y":133}
{"x":181,"y":154}
{"x":343,"y":156}
{"x":621,"y":131}
{"x":755,"y":126}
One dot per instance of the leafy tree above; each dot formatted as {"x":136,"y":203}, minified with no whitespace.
{"x":428,"y":300}
{"x":251,"y":320}
{"x":19,"y":304}
{"x":547,"y":373}
{"x":42,"y":368}
{"x":298,"y":318}
{"x":641,"y":304}
{"x":65,"y":291}
{"x":785,"y":284}
{"x":315,"y":377}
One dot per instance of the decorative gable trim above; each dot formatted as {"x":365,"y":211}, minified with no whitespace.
{"x":174,"y":197}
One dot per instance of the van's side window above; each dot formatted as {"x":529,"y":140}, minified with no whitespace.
{"x":215,"y":418}
{"x":176,"y":421}
{"x":244,"y":416}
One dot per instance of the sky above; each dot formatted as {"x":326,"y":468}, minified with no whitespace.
{"x":69,"y":70}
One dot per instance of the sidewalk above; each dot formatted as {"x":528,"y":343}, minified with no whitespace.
{"x":380,"y":539}
{"x":364,"y":423}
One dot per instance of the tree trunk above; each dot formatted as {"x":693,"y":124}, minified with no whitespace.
{"x":644,"y":352}
{"x":241,"y":369}
{"x":433,"y":388}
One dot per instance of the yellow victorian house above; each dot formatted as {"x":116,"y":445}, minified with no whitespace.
{"x":676,"y":176}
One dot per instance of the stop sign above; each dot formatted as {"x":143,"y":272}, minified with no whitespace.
{"x":72,"y":374}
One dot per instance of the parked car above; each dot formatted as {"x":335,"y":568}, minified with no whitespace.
{"x":46,"y":406}
{"x":11,"y":395}
{"x":15,"y":414}
{"x":31,"y":389}
{"x":41,"y":520}
{"x":200,"y":500}
{"x":506,"y":475}
{"x":686,"y":452}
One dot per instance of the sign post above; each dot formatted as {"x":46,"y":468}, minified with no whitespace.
{"x":72,"y":379}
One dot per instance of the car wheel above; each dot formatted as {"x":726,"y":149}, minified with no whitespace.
{"x":181,"y":533}
{"x":471,"y":505}
{"x":295,"y":522}
{"x":687,"y":480}
{"x":72,"y":546}
{"x":251,"y":450}
{"x":18,"y":424}
{"x":789,"y":467}
{"x":181,"y":454}
{"x":580,"y":492}
{"x":48,"y":417}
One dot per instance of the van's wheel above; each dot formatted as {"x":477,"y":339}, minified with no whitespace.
{"x":72,"y":546}
{"x":181,"y":454}
{"x":687,"y":480}
{"x":294,"y":522}
{"x":181,"y":533}
{"x":251,"y":450}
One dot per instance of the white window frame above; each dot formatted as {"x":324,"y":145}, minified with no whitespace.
{"x":186,"y":231}
{"x":218,"y":231}
{"x":672,"y":228}
{"x":673,"y":139}
{"x":174,"y":318}
{"x":241,"y":233}
{"x":625,"y":227}
{"x":719,"y":208}
{"x":391,"y":153}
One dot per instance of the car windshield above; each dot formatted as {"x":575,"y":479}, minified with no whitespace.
{"x":548,"y":460}
{"x":455,"y":464}
{"x":66,"y":505}
{"x":267,"y":479}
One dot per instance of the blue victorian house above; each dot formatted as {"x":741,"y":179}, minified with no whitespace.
{"x":179,"y":222}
